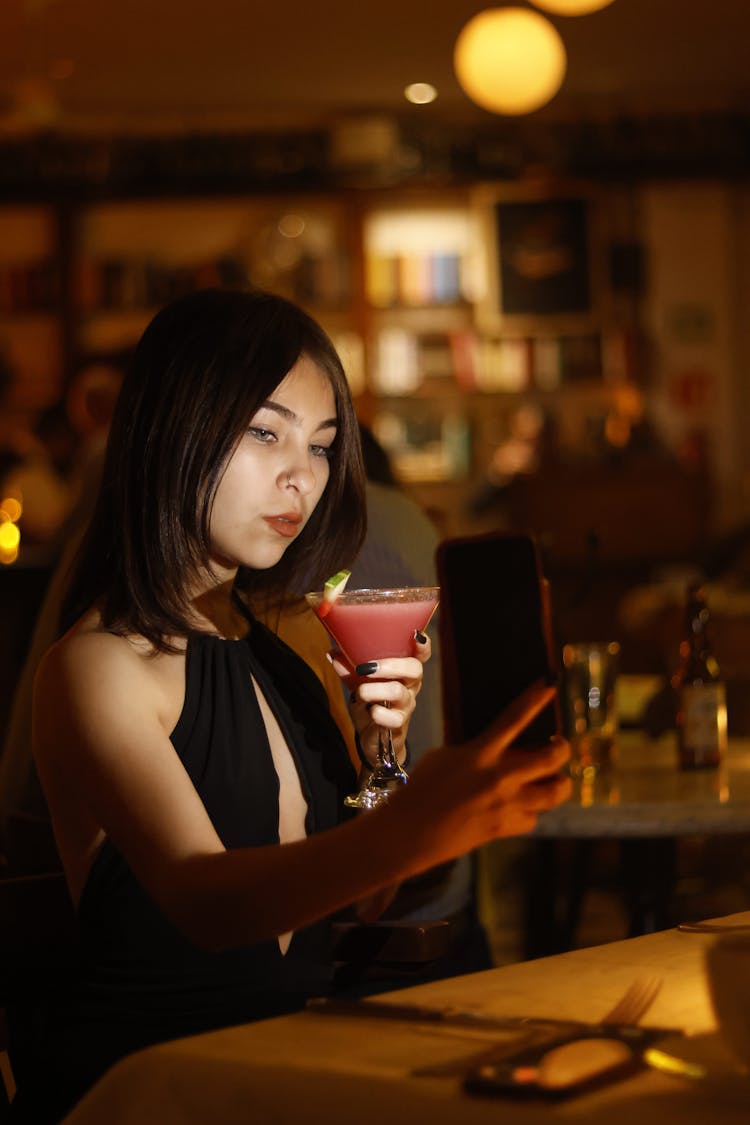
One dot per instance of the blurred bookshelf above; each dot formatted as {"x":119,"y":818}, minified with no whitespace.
{"x":397,"y":277}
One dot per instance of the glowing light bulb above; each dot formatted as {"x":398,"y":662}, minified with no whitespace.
{"x":572,"y":7}
{"x":11,"y":509}
{"x":420,"y":93}
{"x":510,"y":60}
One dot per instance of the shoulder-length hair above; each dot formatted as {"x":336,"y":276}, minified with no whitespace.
{"x":203,"y":367}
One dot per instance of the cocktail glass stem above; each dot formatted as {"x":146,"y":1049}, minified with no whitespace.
{"x":386,"y":765}
{"x":386,"y":777}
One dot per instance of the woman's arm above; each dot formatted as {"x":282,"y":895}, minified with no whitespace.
{"x":106,"y":763}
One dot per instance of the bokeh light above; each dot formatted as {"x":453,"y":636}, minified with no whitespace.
{"x":510,"y":60}
{"x":572,"y":7}
{"x":420,"y":93}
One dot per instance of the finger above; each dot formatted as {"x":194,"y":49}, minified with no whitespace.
{"x":406,"y":669}
{"x":387,"y":691}
{"x":529,"y":765}
{"x":422,"y":646}
{"x":515,"y":718}
{"x":389,"y":717}
{"x":539,"y":796}
{"x":340,"y":666}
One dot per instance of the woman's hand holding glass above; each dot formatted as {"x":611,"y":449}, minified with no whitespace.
{"x":384,"y":698}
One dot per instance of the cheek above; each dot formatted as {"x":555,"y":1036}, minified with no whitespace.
{"x":228,"y":498}
{"x":322,"y":477}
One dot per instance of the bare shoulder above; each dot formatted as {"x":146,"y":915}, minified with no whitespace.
{"x":91,"y":658}
{"x":88,"y":680}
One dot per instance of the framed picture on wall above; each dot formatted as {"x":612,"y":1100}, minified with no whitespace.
{"x":540,"y":253}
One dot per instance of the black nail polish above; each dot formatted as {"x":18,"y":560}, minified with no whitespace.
{"x":367,"y":668}
{"x":420,"y":638}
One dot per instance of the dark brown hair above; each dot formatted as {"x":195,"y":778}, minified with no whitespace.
{"x":202,"y":369}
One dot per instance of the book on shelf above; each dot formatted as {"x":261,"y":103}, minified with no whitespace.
{"x":435,"y":355}
{"x":29,"y":287}
{"x":397,"y":369}
{"x":547,"y":363}
{"x":446,"y":278}
{"x":414,"y":280}
{"x":505,"y":365}
{"x":381,"y":281}
{"x":463,"y":346}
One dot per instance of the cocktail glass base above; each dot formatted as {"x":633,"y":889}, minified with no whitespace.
{"x":376,"y":791}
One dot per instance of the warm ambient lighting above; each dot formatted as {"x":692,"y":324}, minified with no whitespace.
{"x":11,"y":510}
{"x":10,"y":538}
{"x":572,"y":7}
{"x":509,"y":60}
{"x":420,"y":93}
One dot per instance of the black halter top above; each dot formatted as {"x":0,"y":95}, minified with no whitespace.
{"x":141,"y":981}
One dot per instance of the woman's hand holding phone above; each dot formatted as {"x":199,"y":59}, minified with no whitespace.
{"x":460,"y":797}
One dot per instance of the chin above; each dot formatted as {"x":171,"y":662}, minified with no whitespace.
{"x":262,"y":560}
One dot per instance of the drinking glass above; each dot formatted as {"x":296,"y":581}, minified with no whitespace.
{"x":374,"y":625}
{"x":590,"y":675}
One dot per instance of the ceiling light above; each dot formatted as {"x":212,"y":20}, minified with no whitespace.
{"x":572,"y":7}
{"x":291,"y":225}
{"x":420,"y":93}
{"x":509,"y":60}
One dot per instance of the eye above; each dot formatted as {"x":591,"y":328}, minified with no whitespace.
{"x":326,"y":451}
{"x":261,"y":434}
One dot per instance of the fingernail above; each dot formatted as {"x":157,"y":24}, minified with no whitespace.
{"x":367,"y":668}
{"x":329,"y":658}
{"x":420,"y":638}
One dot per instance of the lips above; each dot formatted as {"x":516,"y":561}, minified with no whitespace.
{"x":287,"y":524}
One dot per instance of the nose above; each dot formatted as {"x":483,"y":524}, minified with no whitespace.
{"x":300,"y":478}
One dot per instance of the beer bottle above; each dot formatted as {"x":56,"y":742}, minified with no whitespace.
{"x":701,"y":694}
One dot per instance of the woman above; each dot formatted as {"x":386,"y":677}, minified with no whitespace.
{"x":193,"y":774}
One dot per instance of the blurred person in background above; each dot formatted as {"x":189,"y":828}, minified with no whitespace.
{"x":27,"y":470}
{"x":76,"y":429}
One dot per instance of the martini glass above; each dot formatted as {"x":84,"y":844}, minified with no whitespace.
{"x":373,"y":625}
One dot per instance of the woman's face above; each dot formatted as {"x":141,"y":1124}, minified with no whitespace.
{"x":277,"y":473}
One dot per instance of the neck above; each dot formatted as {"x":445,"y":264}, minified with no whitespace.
{"x":214,"y":611}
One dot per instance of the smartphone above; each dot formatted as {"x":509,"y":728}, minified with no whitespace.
{"x":561,"y":1067}
{"x":495,"y":633}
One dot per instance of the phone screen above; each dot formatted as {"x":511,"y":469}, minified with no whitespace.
{"x":495,"y":633}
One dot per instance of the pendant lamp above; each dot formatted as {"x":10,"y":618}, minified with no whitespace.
{"x":509,"y":60}
{"x":572,"y":7}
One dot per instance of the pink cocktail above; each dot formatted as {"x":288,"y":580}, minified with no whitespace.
{"x":374,"y":625}
{"x":366,"y":629}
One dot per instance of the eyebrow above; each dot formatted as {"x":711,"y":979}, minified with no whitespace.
{"x":290,"y":416}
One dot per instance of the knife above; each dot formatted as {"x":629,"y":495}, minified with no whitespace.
{"x":450,"y":1016}
{"x":420,"y":1013}
{"x":640,"y":1039}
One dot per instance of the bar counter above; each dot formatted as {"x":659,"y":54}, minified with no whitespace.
{"x":342,"y":1069}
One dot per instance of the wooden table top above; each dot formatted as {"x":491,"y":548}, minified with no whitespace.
{"x":337,"y":1069}
{"x":647,"y":795}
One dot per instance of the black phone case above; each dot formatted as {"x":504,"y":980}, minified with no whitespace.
{"x":495,"y":633}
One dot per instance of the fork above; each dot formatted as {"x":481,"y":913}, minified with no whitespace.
{"x":634,"y":1002}
{"x":626,"y":1012}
